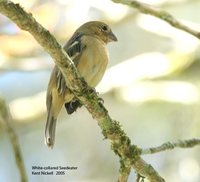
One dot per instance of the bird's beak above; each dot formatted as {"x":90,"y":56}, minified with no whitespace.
{"x":112,"y":37}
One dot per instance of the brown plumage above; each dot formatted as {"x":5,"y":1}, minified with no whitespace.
{"x":87,"y":50}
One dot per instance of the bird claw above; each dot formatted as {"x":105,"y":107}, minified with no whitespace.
{"x":101,"y":100}
{"x":91,"y":90}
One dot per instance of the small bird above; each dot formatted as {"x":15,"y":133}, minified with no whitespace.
{"x":87,"y":50}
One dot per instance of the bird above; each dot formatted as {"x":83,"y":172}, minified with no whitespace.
{"x":87,"y":49}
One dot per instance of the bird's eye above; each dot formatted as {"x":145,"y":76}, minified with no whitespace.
{"x":104,"y":28}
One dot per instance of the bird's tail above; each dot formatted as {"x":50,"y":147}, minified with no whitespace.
{"x":50,"y":130}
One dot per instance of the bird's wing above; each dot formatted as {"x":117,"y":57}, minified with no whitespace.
{"x":54,"y":101}
{"x":74,"y":49}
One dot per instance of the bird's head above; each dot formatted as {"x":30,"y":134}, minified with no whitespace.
{"x":98,"y":29}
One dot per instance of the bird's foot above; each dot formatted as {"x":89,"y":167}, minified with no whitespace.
{"x":100,"y":100}
{"x":93,"y":90}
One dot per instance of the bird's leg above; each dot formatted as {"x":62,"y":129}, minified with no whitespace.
{"x":92,"y":90}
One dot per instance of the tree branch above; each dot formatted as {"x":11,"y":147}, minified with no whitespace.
{"x":161,"y":14}
{"x":171,"y":145}
{"x":5,"y":118}
{"x":110,"y":128}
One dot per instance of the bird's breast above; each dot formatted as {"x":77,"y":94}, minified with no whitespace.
{"x":93,"y":61}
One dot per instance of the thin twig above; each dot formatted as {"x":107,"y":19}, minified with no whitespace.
{"x":171,"y":145}
{"x":5,"y":118}
{"x":139,"y":178}
{"x":161,"y":14}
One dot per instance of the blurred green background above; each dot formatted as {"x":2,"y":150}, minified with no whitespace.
{"x":152,"y":86}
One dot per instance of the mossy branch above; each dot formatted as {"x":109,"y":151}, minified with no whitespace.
{"x":6,"y":120}
{"x":159,"y":13}
{"x":110,"y":128}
